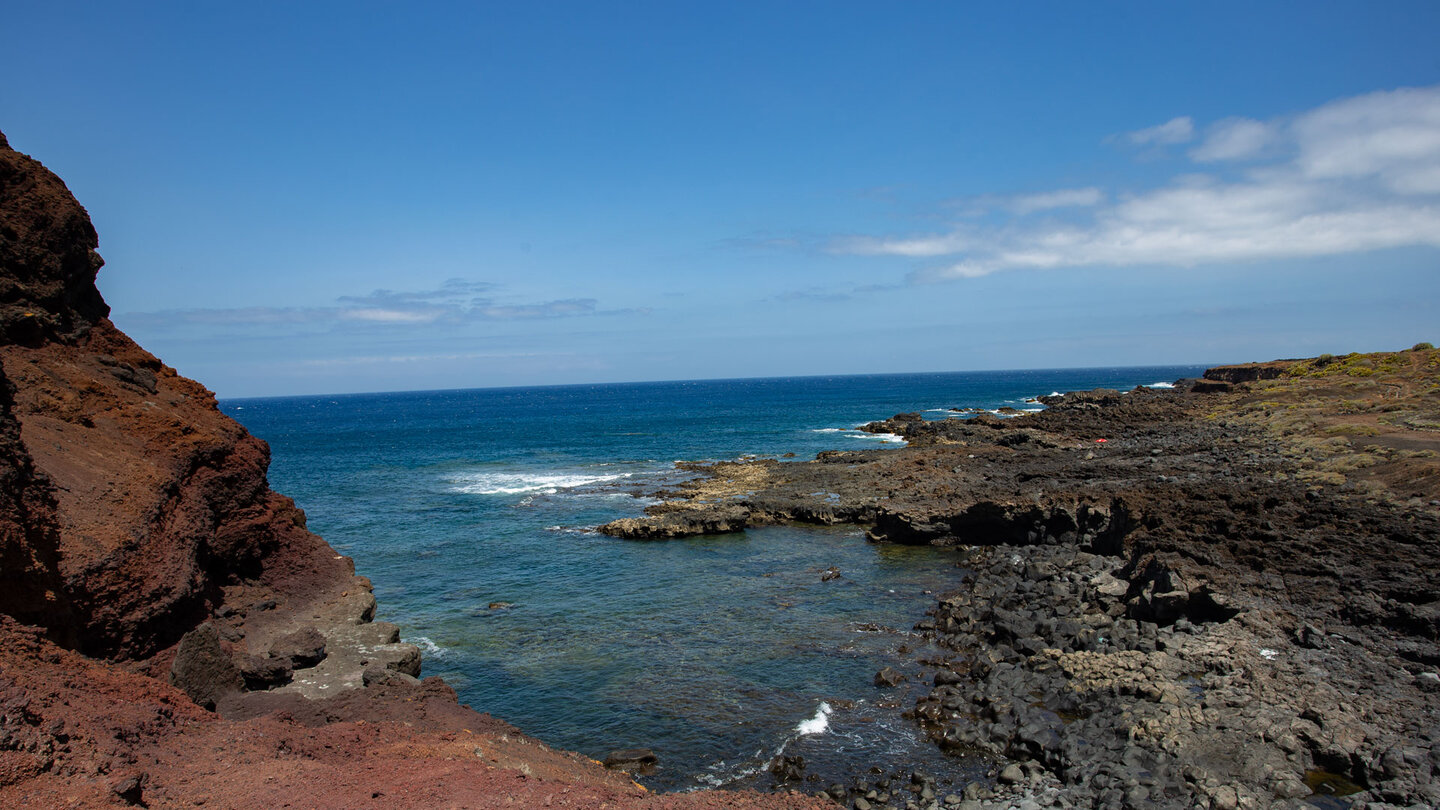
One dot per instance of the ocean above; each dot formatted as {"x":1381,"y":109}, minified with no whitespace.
{"x":473,"y":513}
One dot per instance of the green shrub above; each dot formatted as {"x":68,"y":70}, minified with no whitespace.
{"x":1422,"y":347}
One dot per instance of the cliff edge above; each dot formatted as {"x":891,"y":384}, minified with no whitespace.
{"x":170,"y":633}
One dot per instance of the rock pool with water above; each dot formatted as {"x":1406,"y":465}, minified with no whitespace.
{"x":473,"y":511}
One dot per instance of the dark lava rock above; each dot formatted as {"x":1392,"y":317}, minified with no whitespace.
{"x":130,"y":788}
{"x":788,"y":768}
{"x":264,"y":673}
{"x":303,"y":648}
{"x":376,"y":675}
{"x":632,"y":760}
{"x":889,"y":677}
{"x":202,"y":668}
{"x":686,"y":523}
{"x":1210,"y":387}
{"x":1249,"y":372}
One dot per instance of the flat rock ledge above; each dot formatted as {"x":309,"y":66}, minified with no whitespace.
{"x":314,"y":651}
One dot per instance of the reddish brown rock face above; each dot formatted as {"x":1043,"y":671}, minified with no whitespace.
{"x":138,"y":500}
{"x":131,"y":511}
{"x":161,"y":500}
{"x":47,"y":252}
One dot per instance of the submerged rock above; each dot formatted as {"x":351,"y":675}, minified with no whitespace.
{"x":632,"y":760}
{"x":889,"y":676}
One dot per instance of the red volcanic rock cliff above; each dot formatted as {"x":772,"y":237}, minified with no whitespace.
{"x":132,"y":501}
{"x":148,"y":573}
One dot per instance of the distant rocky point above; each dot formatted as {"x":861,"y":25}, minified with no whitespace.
{"x":1216,"y":594}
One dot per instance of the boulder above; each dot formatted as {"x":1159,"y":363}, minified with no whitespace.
{"x":377,"y":675}
{"x":788,"y":768}
{"x":264,"y":672}
{"x":203,"y":669}
{"x":632,"y":760}
{"x":303,"y":648}
{"x":889,"y":677}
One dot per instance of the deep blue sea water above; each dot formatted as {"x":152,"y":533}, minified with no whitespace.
{"x":472,"y":512}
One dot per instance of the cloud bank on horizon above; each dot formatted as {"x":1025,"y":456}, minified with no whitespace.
{"x":456,"y":301}
{"x":1353,"y":175}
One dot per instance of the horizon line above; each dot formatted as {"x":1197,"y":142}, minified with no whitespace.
{"x":722,"y":379}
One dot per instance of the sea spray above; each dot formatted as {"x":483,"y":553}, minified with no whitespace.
{"x":505,"y":483}
{"x":816,"y":724}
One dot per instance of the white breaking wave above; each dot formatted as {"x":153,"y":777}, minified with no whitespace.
{"x":723,"y":773}
{"x":572,"y":529}
{"x":1161,"y":385}
{"x":828,"y":430}
{"x":427,"y":646}
{"x":816,"y":724}
{"x":881,"y":437}
{"x":517,"y":483}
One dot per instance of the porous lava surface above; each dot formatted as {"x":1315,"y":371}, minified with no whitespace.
{"x":171,"y":635}
{"x":1223,"y":594}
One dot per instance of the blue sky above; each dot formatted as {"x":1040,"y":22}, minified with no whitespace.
{"x":324,"y":198}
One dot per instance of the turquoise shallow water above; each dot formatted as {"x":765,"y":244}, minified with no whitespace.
{"x":472,"y":510}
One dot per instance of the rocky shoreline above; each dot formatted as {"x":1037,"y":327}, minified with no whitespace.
{"x":1217,"y":595}
{"x":171,"y":634}
{"x":1220,"y":595}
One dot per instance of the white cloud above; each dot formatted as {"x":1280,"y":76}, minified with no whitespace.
{"x":1234,"y":139}
{"x":454,"y":302}
{"x":1176,"y":130}
{"x":916,"y":248}
{"x":377,"y":315}
{"x":1394,"y":136}
{"x":1353,"y":175}
{"x":1064,"y":198}
{"x":549,"y":309}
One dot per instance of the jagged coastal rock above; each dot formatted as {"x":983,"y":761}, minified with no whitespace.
{"x":1219,"y":594}
{"x":171,"y":635}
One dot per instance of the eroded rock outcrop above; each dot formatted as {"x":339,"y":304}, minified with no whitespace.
{"x":1214,"y":595}
{"x":171,"y":635}
{"x":139,"y":503}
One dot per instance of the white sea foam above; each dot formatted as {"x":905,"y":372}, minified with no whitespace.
{"x":1161,"y":385}
{"x":723,"y":773}
{"x":816,"y":724}
{"x":1032,"y":410}
{"x":879,"y":437}
{"x":517,"y":483}
{"x":828,"y":430}
{"x":581,"y":530}
{"x":427,"y":646}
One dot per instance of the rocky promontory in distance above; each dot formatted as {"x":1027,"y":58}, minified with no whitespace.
{"x":171,"y":634}
{"x":1220,"y":594}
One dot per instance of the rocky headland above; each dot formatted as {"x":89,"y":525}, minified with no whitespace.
{"x":171,"y":634}
{"x":1223,"y":594}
